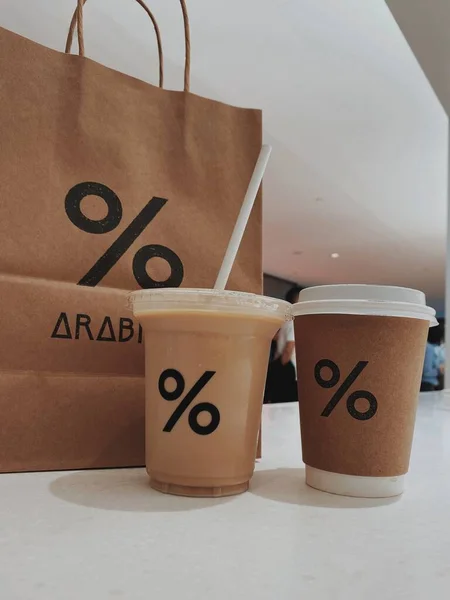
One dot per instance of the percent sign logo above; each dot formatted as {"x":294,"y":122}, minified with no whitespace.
{"x":125,"y":239}
{"x":344,"y":388}
{"x":187,"y":400}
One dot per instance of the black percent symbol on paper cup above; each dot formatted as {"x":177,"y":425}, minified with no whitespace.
{"x":187,"y":400}
{"x":118,"y":248}
{"x":329,"y":365}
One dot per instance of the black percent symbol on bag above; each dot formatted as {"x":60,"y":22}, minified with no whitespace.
{"x":118,"y":248}
{"x":187,"y":400}
{"x":344,"y":388}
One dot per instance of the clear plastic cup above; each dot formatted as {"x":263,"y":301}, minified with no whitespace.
{"x":206,"y":355}
{"x":360,"y":351}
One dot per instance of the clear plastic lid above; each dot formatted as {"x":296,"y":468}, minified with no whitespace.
{"x":207,"y":300}
{"x":378,"y":300}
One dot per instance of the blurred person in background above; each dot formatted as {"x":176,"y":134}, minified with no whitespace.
{"x":434,"y":363}
{"x":281,"y":383}
{"x":442,"y":350}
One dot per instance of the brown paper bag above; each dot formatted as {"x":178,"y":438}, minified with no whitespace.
{"x":107,"y":183}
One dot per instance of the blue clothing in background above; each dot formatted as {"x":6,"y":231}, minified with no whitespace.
{"x":433,"y":360}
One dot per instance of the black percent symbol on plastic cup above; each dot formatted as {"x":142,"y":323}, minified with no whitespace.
{"x":328,"y":383}
{"x":187,"y":401}
{"x":118,"y":248}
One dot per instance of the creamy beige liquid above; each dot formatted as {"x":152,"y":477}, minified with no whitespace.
{"x":234,"y":349}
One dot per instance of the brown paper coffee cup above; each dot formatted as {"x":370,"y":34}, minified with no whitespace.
{"x":358,"y":383}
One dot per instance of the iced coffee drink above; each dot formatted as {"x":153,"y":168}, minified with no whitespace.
{"x":206,"y":364}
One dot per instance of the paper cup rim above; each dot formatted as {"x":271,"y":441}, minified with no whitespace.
{"x":356,"y":486}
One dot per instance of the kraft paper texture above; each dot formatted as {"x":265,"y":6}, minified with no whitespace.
{"x":378,"y":441}
{"x":107,"y":184}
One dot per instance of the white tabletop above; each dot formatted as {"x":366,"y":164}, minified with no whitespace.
{"x":106,"y":534}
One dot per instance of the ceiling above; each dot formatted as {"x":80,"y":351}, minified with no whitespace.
{"x":426,"y":26}
{"x":359,"y":162}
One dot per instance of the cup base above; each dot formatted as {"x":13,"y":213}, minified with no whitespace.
{"x":354,"y":485}
{"x":199,"y":492}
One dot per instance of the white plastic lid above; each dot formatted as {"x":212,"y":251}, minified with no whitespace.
{"x":145,"y":301}
{"x":378,"y":300}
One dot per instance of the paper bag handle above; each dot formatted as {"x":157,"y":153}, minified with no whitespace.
{"x":77,"y":19}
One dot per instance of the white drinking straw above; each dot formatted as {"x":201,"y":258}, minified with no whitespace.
{"x":242,"y":220}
